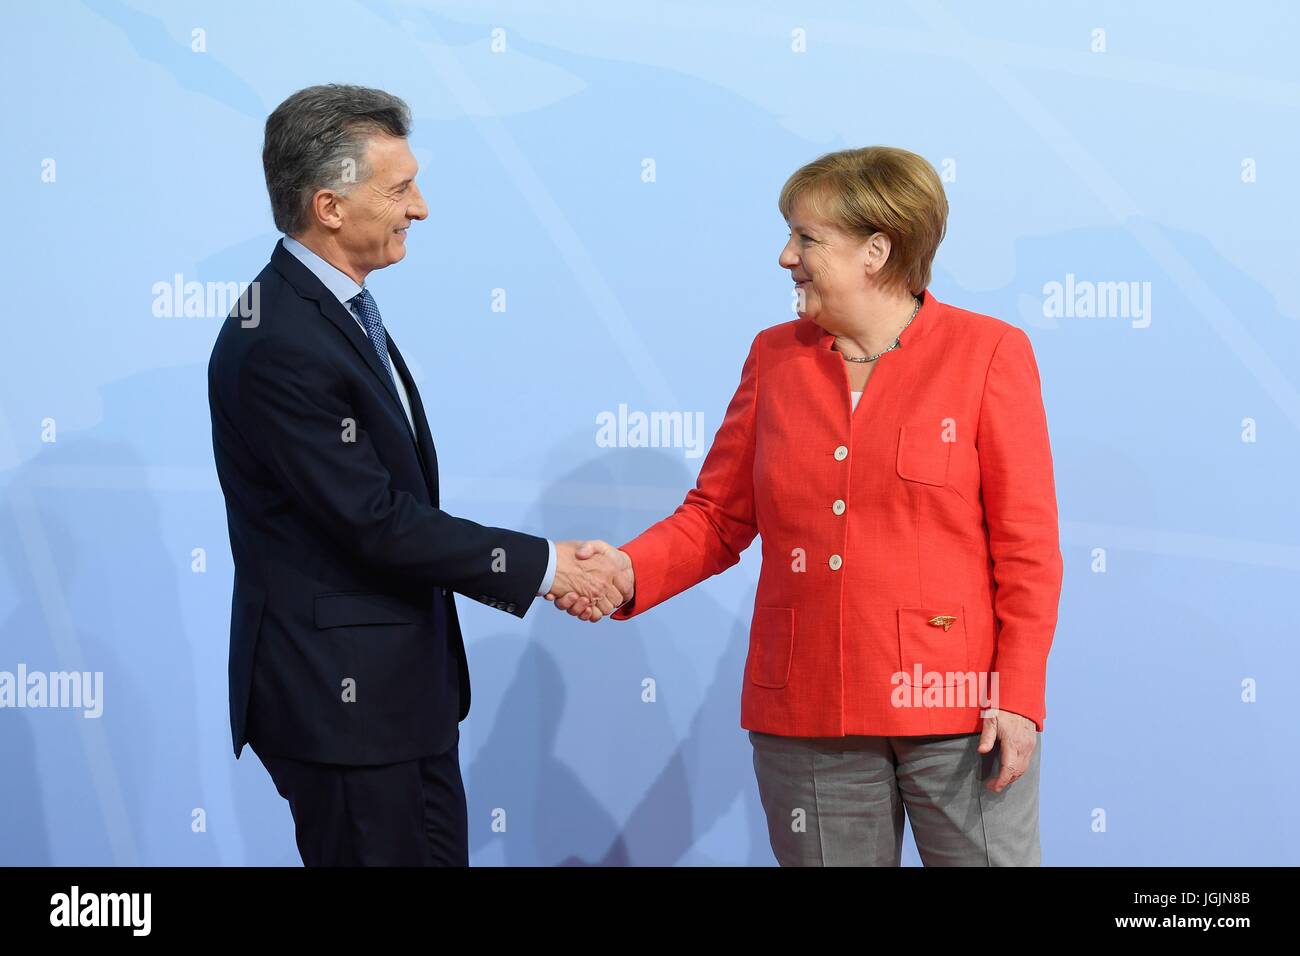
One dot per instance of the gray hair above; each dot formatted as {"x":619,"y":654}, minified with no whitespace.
{"x":316,"y":139}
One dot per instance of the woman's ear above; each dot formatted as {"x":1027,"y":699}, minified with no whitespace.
{"x":877,"y":253}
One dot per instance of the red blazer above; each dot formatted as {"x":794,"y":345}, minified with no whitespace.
{"x":908,"y":547}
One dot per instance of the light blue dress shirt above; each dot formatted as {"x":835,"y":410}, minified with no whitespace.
{"x":344,"y":289}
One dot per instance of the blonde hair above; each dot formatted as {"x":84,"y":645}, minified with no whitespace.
{"x":878,"y":189}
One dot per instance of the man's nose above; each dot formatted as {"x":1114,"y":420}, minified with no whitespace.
{"x":419,"y":209}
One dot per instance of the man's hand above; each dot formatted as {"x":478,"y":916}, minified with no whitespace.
{"x":622,"y":581}
{"x":593,"y":580}
{"x":1017,"y":737}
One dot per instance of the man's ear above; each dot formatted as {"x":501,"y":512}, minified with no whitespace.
{"x":326,"y":210}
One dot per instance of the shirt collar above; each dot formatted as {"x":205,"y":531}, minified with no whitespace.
{"x":340,"y":283}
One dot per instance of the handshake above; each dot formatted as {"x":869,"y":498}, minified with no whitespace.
{"x":592,"y":579}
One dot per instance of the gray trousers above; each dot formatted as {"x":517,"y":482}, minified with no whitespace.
{"x":839,"y":801}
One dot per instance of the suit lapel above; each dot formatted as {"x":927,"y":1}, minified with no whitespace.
{"x":310,"y":287}
{"x":346,"y":322}
{"x":424,"y":439}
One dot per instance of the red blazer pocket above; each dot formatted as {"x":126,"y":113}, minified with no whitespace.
{"x":932,"y":639}
{"x":771,"y":646}
{"x":923,"y":454}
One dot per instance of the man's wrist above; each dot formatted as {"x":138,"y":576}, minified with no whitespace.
{"x":548,"y":577}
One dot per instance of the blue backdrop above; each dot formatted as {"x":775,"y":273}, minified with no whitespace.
{"x":609,"y":173}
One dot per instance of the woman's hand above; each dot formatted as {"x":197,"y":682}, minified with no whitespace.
{"x":624,"y":581}
{"x":1017,"y":736}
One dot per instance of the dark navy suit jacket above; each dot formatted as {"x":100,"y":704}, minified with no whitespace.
{"x":345,"y":647}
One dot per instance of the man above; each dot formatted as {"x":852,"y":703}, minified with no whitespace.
{"x":347,"y":668}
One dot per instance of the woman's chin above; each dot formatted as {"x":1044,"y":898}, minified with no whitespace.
{"x":813,"y":313}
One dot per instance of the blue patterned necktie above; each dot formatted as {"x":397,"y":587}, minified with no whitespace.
{"x":368,"y":312}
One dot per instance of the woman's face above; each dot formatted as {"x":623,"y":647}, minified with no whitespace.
{"x":831,"y":270}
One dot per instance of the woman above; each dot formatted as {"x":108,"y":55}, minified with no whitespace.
{"x":892,"y":452}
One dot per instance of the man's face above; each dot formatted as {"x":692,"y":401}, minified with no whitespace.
{"x":377,"y":212}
